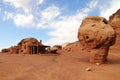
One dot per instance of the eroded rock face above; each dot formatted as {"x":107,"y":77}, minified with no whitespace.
{"x":114,"y":21}
{"x":11,"y":50}
{"x":96,"y":36}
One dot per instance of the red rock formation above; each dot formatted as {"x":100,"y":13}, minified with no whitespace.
{"x":54,"y":49}
{"x":5,"y":50}
{"x":11,"y":50}
{"x":14,"y":50}
{"x":114,"y":21}
{"x":96,"y":36}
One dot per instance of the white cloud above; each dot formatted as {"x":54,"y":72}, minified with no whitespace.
{"x":19,"y":19}
{"x":7,"y":15}
{"x":114,"y":5}
{"x":40,"y":1}
{"x":65,"y":29}
{"x":85,"y":10}
{"x":41,"y":24}
{"x":90,"y":6}
{"x":22,"y":20}
{"x":24,"y":4}
{"x":0,"y":9}
{"x":93,"y":3}
{"x":50,"y":13}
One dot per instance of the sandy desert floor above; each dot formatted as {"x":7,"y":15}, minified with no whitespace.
{"x":69,"y":67}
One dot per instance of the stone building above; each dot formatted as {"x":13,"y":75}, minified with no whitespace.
{"x":27,"y":46}
{"x":31,"y":46}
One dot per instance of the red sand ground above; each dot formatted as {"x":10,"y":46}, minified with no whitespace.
{"x":68,"y":66}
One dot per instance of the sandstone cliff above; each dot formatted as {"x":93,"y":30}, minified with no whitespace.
{"x":114,"y":21}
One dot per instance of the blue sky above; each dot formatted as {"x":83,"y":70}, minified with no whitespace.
{"x":53,"y":21}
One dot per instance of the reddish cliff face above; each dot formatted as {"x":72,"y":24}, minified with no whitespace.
{"x":114,"y":21}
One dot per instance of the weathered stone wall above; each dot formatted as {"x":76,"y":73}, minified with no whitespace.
{"x":31,"y":46}
{"x":5,"y":50}
{"x":27,"y":46}
{"x":11,"y":50}
{"x":14,"y":50}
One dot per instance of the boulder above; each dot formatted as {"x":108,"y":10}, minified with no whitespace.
{"x":96,"y":35}
{"x":54,"y":49}
{"x":88,"y":69}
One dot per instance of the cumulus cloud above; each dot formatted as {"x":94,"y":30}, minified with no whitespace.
{"x":90,"y":6}
{"x":114,"y":5}
{"x":50,"y":13}
{"x":7,"y":16}
{"x":93,"y":4}
{"x":65,"y":29}
{"x":47,"y":16}
{"x":23,"y":4}
{"x":40,"y":1}
{"x":42,"y":24}
{"x":22,"y":20}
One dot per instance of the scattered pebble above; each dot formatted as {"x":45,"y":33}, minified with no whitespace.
{"x":97,"y":64}
{"x":88,"y":69}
